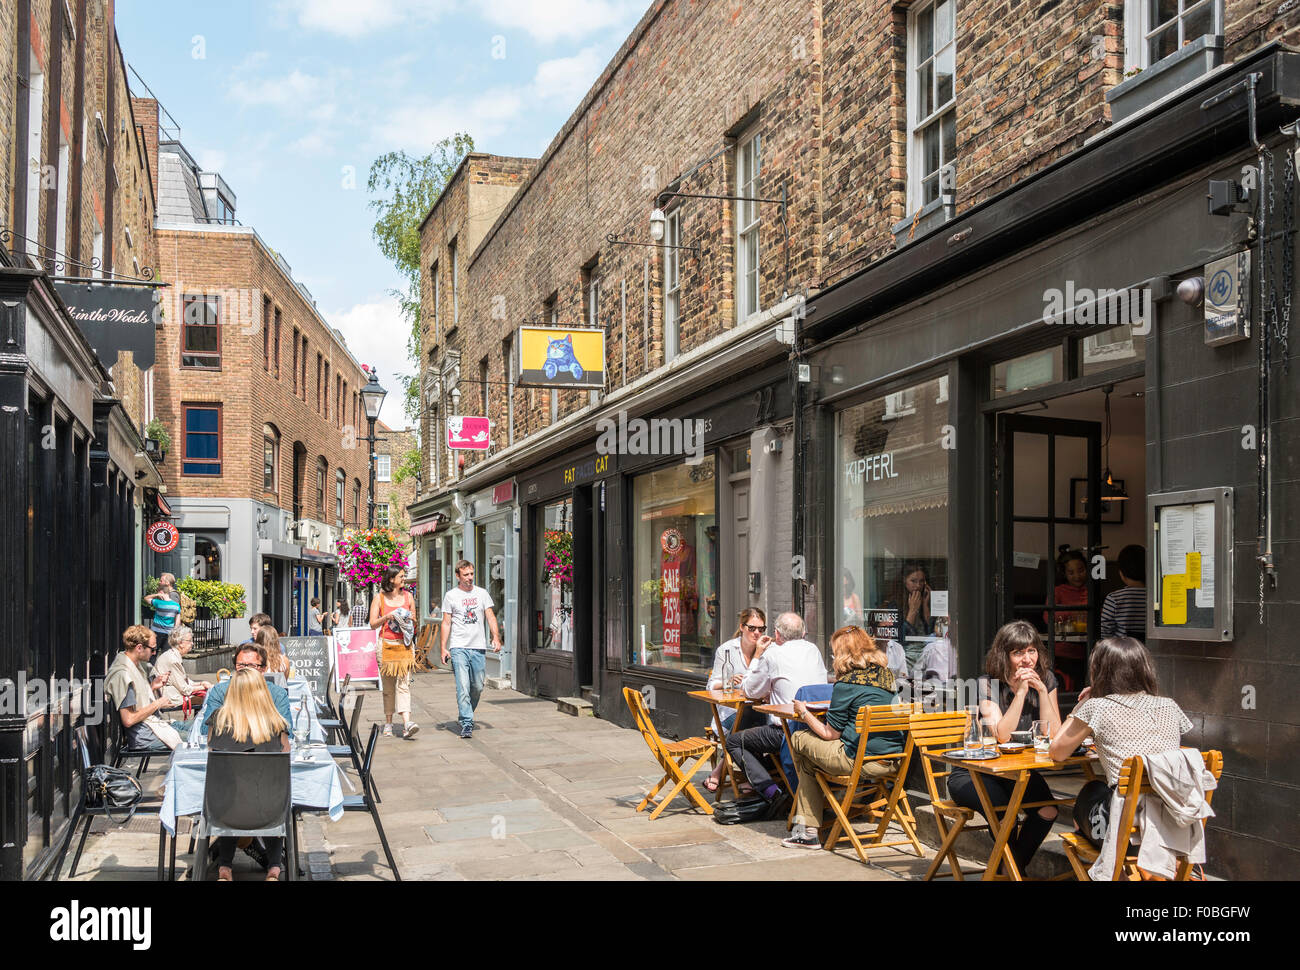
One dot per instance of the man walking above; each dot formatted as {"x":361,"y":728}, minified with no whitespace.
{"x":781,"y":665}
{"x":463,"y":610}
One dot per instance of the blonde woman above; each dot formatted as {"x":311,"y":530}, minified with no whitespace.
{"x":276,"y":661}
{"x":862,"y":678}
{"x":248,"y":721}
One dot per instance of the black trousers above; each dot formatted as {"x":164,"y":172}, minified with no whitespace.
{"x":1092,"y":811}
{"x":747,"y":748}
{"x":227,"y":844}
{"x":1031,"y":833}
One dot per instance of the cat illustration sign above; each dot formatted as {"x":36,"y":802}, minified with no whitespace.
{"x":468,"y":434}
{"x":561,"y":357}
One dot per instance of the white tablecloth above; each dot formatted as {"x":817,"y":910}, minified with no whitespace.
{"x":300,"y":700}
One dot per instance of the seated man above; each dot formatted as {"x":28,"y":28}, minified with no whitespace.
{"x":253,"y":657}
{"x":781,"y":665}
{"x":132,"y":695}
{"x":255,"y":623}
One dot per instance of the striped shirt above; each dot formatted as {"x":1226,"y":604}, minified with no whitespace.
{"x":1125,"y":613}
{"x":165,"y":612}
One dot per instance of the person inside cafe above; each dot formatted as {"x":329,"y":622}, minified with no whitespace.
{"x":781,"y":665}
{"x":862,"y":678}
{"x":255,"y":623}
{"x":248,"y":721}
{"x":852,"y":602}
{"x":177,"y":683}
{"x":1123,"y":711}
{"x":1124,"y":612}
{"x":131,"y":691}
{"x":1016,"y":690}
{"x":276,"y":662}
{"x":912,"y":601}
{"x":734,"y":657}
{"x":247,"y":658}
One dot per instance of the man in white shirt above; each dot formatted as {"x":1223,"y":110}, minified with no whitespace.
{"x":463,"y":643}
{"x":781,"y":665}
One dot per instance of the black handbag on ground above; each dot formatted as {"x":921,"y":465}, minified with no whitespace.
{"x":113,"y":790}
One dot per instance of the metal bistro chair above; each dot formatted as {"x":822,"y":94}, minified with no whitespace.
{"x":122,"y":751}
{"x":148,"y":805}
{"x":247,"y":793}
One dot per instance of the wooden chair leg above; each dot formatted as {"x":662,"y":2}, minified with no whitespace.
{"x":946,"y":849}
{"x":683,"y":782}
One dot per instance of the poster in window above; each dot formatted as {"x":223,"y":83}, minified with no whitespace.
{"x":671,"y":543}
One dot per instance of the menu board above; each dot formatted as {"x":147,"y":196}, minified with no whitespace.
{"x":310,"y":658}
{"x":1190,"y":532}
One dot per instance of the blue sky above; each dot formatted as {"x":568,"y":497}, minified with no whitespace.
{"x":291,"y":100}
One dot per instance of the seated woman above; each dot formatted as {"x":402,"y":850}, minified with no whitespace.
{"x":248,"y":721}
{"x":1025,"y":692}
{"x":861,"y":679}
{"x":737,"y":654}
{"x":171,"y":665}
{"x":276,"y":661}
{"x":1125,"y":716}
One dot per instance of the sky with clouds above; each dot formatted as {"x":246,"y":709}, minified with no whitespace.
{"x":291,"y":101}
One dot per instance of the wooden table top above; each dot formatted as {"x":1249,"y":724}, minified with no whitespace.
{"x":733,"y":699}
{"x":1010,"y":764}
{"x":786,"y":711}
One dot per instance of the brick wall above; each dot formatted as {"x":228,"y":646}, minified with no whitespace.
{"x":237,"y":267}
{"x":399,"y":495}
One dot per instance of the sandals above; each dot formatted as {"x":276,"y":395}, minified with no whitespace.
{"x":273,"y":875}
{"x":221,"y":878}
{"x":711,"y":783}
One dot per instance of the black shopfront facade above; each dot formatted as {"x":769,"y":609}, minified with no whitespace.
{"x":957,"y":424}
{"x":659,"y":564}
{"x":71,"y":476}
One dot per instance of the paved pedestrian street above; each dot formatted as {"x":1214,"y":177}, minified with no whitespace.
{"x":535,"y":794}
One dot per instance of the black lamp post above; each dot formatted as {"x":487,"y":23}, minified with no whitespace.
{"x":372,"y":399}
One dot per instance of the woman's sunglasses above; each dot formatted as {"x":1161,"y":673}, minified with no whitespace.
{"x":755,"y":629}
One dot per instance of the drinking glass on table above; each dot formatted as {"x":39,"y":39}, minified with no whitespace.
{"x":989,"y":735}
{"x":971,"y":740}
{"x":1042,"y":737}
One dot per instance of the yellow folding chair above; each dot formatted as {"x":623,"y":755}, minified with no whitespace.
{"x":1132,"y":784}
{"x":879,"y":798}
{"x":672,"y":757}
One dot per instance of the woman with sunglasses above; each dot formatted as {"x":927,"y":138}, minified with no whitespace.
{"x":735,"y":656}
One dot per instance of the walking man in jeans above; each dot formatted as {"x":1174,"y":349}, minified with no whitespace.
{"x":463,"y":610}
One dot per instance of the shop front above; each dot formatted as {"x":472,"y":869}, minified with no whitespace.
{"x":437,"y":528}
{"x":491,"y":530}
{"x":1006,"y":410}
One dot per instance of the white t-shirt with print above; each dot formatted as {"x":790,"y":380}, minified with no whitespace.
{"x":466,"y":612}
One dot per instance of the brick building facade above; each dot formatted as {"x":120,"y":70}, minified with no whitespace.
{"x":906,"y":139}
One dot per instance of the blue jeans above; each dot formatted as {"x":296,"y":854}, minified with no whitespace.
{"x":470,"y":670}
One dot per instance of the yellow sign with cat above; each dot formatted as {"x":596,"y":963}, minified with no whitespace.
{"x":561,"y":357}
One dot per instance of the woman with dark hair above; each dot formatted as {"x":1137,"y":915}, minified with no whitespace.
{"x":736,"y":654}
{"x":852,"y":602}
{"x":1125,"y":716}
{"x":392,"y":613}
{"x":1017,"y":690}
{"x":315,"y":619}
{"x":1072,"y":588}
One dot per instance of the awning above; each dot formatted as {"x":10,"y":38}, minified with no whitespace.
{"x":163,"y":508}
{"x":439,"y":521}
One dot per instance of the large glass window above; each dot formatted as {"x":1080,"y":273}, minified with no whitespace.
{"x":675,"y":567}
{"x":892,"y":510}
{"x":554,"y":545}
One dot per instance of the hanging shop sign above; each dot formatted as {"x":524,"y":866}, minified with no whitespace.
{"x":1227,"y":299}
{"x":114,"y":319}
{"x":468,"y":434}
{"x":163,"y":537}
{"x":561,"y":357}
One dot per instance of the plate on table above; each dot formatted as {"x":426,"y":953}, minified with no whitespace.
{"x":978,"y":754}
{"x":1011,"y":747}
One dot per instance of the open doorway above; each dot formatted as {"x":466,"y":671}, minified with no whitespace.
{"x":1059,"y":551}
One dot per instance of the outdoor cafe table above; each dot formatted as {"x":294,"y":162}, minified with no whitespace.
{"x":718,"y":699}
{"x":300,"y":700}
{"x":1015,"y":766}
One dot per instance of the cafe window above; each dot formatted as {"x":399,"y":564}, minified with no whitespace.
{"x":554,"y":545}
{"x":675,"y":567}
{"x":892,"y":509}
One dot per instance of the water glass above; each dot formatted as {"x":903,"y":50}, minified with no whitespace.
{"x":989,"y":736}
{"x":971,"y":739}
{"x":1042,"y":737}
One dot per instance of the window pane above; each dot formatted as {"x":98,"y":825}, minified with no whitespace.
{"x":201,"y":419}
{"x":1161,"y":11}
{"x":930,"y":149}
{"x":944,"y":67}
{"x":1163,"y":44}
{"x":200,"y":339}
{"x":675,"y":567}
{"x":929,"y":190}
{"x":201,"y":468}
{"x":942,"y":22}
{"x":554,"y":545}
{"x":925,"y":90}
{"x":948,"y":131}
{"x":892,"y":510}
{"x":925,"y":34}
{"x":201,"y":446}
{"x":1024,"y":373}
{"x":268,"y":464}
{"x":1198,"y":22}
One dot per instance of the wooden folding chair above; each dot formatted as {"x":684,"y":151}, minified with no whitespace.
{"x":1132,"y":784}
{"x":880,"y":799}
{"x":672,"y":757}
{"x":423,"y":644}
{"x":932,"y":732}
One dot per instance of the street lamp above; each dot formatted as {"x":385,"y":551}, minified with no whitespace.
{"x":372,"y":399}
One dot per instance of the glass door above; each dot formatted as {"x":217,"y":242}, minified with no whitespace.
{"x":1046,"y":547}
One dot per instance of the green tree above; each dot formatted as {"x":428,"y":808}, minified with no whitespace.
{"x":407,"y":186}
{"x":409,"y":468}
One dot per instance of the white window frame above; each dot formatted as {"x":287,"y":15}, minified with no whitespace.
{"x":900,"y":404}
{"x":916,"y":127}
{"x":383,"y":515}
{"x":97,"y":251}
{"x":35,"y":138}
{"x":383,"y":468}
{"x":672,"y":284}
{"x":1138,"y":29}
{"x":455,"y":284}
{"x":61,"y":205}
{"x":749,"y":173}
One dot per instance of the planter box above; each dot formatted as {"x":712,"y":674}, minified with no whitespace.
{"x":1179,"y":69}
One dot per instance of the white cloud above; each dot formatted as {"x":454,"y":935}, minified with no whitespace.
{"x":347,"y":18}
{"x":211,"y":160}
{"x":570,"y":19}
{"x":567,"y":79}
{"x":418,"y":124}
{"x":296,"y":93}
{"x":376,"y":335}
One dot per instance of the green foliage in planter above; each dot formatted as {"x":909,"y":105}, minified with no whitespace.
{"x":223,"y":599}
{"x":155,"y":430}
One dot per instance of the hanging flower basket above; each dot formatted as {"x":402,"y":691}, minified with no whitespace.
{"x":557,"y":561}
{"x":364,"y":556}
